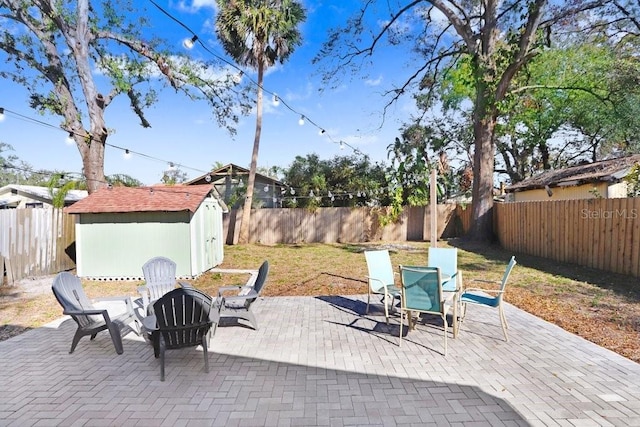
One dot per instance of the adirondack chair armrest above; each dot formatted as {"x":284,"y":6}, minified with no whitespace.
{"x":230,"y":288}
{"x":185,"y":285}
{"x":144,"y":293}
{"x":253,"y":275}
{"x":216,"y":307}
{"x":126,"y":299}
{"x":97,"y":312}
{"x":250,"y":295}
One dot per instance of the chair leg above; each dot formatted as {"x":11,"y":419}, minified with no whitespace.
{"x":76,"y":339}
{"x":446,"y":326}
{"x":386,"y":308}
{"x":368,"y":299}
{"x":463,"y":311}
{"x":401,"y":318}
{"x":162,"y":348}
{"x":206,"y":354}
{"x":503,"y":322}
{"x":114,"y":331}
{"x":252,"y":319}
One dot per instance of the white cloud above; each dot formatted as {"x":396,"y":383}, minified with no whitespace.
{"x":306,"y":93}
{"x":376,"y":82}
{"x":195,"y":5}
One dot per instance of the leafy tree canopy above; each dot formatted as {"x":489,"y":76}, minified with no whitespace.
{"x":76,"y":57}
{"x":341,"y":181}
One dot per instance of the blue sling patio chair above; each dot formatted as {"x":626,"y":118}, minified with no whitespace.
{"x":446,"y":259}
{"x":422,"y":293}
{"x":381,"y":279}
{"x":489,"y":297}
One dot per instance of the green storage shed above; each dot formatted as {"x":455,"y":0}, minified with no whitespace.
{"x":119,"y":228}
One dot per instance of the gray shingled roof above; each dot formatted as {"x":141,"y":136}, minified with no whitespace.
{"x":611,"y":170}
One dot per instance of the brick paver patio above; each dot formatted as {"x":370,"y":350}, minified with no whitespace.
{"x":321,"y":361}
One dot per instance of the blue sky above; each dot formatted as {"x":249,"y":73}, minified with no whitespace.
{"x":184,"y":132}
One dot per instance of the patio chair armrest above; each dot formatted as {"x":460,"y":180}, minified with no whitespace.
{"x":96,"y":312}
{"x":490,"y":291}
{"x":128,"y":301}
{"x":494,"y":282}
{"x":250,"y":295}
{"x":84,"y":312}
{"x":253,"y":274}
{"x":144,"y":293}
{"x":185,"y":285}
{"x":125,"y":298}
{"x":229,"y":288}
{"x":216,"y":308}
{"x":377,"y":280}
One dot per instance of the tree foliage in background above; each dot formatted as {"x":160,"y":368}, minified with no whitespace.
{"x":174,"y":175}
{"x":76,"y":57}
{"x":60,"y":184}
{"x":123,"y":180}
{"x":16,"y":171}
{"x":341,"y":181}
{"x":257,"y":34}
{"x":499,"y":38}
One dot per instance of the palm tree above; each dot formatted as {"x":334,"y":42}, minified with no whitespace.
{"x":257,"y":33}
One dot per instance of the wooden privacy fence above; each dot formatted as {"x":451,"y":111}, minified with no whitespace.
{"x":329,"y":225}
{"x":35,"y":242}
{"x":597,"y":233}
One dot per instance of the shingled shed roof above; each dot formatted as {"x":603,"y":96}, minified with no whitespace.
{"x":612,"y":170}
{"x":157,"y":198}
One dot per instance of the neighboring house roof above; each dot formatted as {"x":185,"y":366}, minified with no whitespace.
{"x":230,"y":169}
{"x":12,"y":193}
{"x":159,"y":198}
{"x":611,"y":170}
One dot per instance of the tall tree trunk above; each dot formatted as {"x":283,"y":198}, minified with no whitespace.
{"x":484,"y":122}
{"x":248,"y":201}
{"x":483,"y":162}
{"x":93,"y":163}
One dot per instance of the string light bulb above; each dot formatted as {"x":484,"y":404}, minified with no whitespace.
{"x":127,"y":154}
{"x":341,"y":145}
{"x":301,"y":121}
{"x":237,"y":78}
{"x":188,"y":43}
{"x":321,"y":132}
{"x":172,"y":166}
{"x":1,"y":114}
{"x":276,"y":100}
{"x":69,"y":140}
